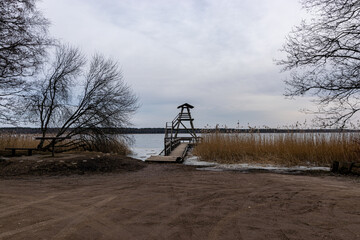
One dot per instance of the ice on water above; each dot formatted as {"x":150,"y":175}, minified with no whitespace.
{"x":144,"y":153}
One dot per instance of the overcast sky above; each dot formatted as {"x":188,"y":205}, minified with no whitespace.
{"x":216,"y":55}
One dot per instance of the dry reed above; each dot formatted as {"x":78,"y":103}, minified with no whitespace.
{"x":28,"y":141}
{"x":18,"y":140}
{"x":109,"y":146}
{"x":289,"y":149}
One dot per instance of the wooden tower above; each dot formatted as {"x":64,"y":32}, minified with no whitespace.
{"x":184,"y":121}
{"x":182,"y":124}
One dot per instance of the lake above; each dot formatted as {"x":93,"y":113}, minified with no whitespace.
{"x":146,"y":145}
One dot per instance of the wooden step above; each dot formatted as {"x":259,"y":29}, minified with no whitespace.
{"x":179,"y":150}
{"x":158,"y":158}
{"x":176,"y":155}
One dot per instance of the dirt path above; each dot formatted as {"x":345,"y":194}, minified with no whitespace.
{"x":178,"y":202}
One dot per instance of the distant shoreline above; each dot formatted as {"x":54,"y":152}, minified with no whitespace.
{"x":28,"y":130}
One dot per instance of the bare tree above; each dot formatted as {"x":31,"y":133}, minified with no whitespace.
{"x":23,"y":41}
{"x":103,"y":99}
{"x":323,"y":56}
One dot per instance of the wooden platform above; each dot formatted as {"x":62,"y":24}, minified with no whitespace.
{"x":175,"y":155}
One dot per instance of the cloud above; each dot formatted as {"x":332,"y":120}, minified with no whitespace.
{"x":216,"y":55}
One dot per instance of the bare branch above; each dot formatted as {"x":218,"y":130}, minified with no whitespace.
{"x":323,"y":56}
{"x":105,"y":102}
{"x":23,"y":43}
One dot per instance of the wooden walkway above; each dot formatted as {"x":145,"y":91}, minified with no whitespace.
{"x":175,"y":156}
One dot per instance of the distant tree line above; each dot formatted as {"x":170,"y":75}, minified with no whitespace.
{"x":22,"y":130}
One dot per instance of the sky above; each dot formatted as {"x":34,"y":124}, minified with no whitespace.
{"x":216,"y":55}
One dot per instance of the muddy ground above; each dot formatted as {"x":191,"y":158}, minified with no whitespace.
{"x":162,"y":201}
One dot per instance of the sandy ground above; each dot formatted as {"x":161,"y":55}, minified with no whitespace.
{"x":179,"y":202}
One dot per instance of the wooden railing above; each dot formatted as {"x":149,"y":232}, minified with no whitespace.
{"x":171,"y":140}
{"x":182,"y":116}
{"x":170,"y":144}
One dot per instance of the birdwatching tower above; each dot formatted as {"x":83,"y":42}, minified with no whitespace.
{"x":180,"y":135}
{"x":183,"y":123}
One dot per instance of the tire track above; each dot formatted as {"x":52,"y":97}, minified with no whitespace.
{"x":11,"y":210}
{"x":80,"y":217}
{"x":75,"y":217}
{"x":223,"y":222}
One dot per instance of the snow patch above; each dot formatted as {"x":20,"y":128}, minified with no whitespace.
{"x":209,"y":166}
{"x":144,"y":153}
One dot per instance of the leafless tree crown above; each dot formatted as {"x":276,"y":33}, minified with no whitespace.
{"x":80,"y":101}
{"x":102,"y":101}
{"x":23,"y":42}
{"x":323,"y":56}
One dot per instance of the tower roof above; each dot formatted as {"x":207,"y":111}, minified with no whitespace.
{"x":186,"y":105}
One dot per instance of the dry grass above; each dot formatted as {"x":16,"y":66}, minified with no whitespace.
{"x":18,"y":140}
{"x":109,"y":146}
{"x":29,"y":141}
{"x":289,"y":149}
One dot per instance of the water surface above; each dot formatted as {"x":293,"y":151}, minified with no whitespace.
{"x":146,"y":145}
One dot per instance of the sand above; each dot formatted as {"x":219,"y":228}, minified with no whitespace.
{"x":162,"y":201}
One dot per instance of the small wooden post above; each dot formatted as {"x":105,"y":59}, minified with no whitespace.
{"x":335,"y":167}
{"x":53,"y":148}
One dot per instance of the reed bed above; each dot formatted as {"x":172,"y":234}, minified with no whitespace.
{"x":287,"y":149}
{"x":28,"y":141}
{"x":117,"y":146}
{"x":17,"y":140}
